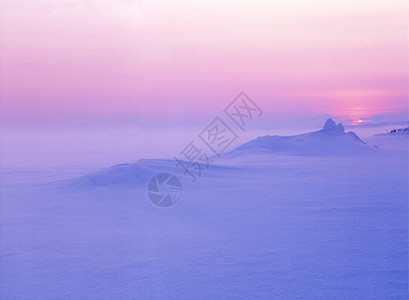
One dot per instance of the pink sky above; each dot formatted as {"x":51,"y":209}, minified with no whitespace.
{"x":137,"y":59}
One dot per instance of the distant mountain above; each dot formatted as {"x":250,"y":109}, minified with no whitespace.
{"x":400,"y":131}
{"x":331,"y":140}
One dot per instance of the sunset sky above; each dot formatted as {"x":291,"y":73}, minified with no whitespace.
{"x":151,"y":60}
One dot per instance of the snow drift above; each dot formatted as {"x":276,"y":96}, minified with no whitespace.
{"x":136,"y":173}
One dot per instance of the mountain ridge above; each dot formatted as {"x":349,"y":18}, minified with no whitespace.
{"x":330,"y":140}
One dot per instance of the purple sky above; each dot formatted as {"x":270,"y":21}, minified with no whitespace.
{"x":159,"y":62}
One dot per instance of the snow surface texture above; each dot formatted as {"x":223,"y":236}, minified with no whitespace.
{"x":260,"y":224}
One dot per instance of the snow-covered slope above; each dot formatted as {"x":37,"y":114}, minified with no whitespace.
{"x":289,"y":227}
{"x":267,"y":227}
{"x":394,"y":132}
{"x":331,"y":140}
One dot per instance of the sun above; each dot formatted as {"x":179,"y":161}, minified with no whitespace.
{"x":359,"y":121}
